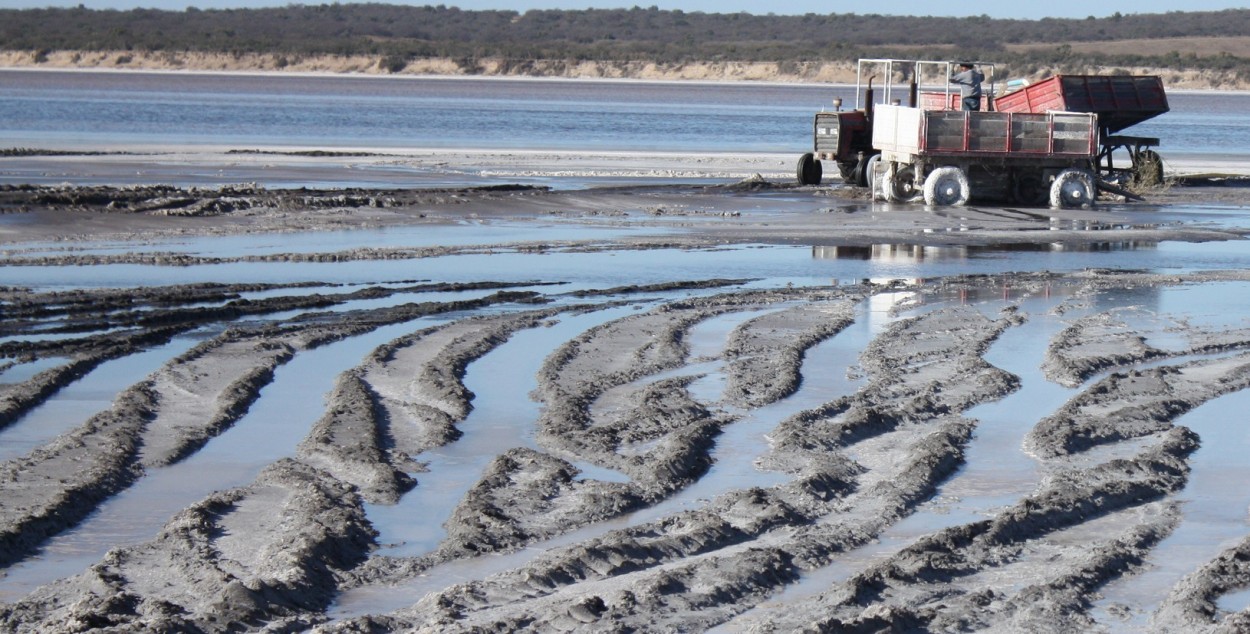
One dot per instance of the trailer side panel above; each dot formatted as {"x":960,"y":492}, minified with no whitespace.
{"x":916,"y":132}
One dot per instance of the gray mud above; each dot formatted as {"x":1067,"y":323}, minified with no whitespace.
{"x":589,"y":515}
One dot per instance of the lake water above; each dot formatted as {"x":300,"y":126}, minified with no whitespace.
{"x":137,"y":111}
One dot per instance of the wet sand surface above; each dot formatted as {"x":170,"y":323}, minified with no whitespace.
{"x":634,"y":397}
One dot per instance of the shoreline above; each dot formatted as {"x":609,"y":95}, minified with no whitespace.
{"x":423,"y":77}
{"x":832,"y":74}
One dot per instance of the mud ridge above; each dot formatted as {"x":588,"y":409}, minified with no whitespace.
{"x":347,"y":442}
{"x":196,"y":201}
{"x":18,"y":399}
{"x":1136,"y":403}
{"x":765,"y":353}
{"x":404,"y":399}
{"x":266,"y":553}
{"x":658,"y":548}
{"x":1093,"y":344}
{"x":1192,"y":603}
{"x":893,"y":590}
{"x":59,"y":484}
{"x":1102,"y":341}
{"x":23,"y":307}
{"x":525,"y":495}
{"x":417,"y":379}
{"x":911,"y":369}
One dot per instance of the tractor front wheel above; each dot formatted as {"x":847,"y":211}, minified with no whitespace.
{"x":809,"y":171}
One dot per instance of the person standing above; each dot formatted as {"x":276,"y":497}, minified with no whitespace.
{"x":969,"y":80}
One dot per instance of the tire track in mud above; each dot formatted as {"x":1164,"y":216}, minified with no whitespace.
{"x":407,"y":398}
{"x":913,"y":589}
{"x":613,"y":355}
{"x":675,"y":431}
{"x":158,"y":421}
{"x":799,"y":503}
{"x":267,"y":552}
{"x":275,"y":553}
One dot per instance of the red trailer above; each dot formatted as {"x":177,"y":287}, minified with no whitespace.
{"x":1120,"y":101}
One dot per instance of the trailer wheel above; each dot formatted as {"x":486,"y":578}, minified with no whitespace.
{"x":1072,"y":188}
{"x":946,"y":187}
{"x":901,"y":188}
{"x":809,"y":170}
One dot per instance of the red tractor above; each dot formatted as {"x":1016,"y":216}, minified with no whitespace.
{"x":844,"y":137}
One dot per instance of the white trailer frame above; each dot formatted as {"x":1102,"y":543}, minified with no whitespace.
{"x":947,"y":155}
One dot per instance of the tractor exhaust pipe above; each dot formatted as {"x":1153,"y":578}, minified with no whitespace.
{"x":868,"y":97}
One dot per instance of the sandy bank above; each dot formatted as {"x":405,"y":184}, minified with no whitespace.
{"x":807,"y":72}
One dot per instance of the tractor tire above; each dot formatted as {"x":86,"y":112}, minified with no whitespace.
{"x":859,"y":176}
{"x":809,"y":171}
{"x":946,"y":187}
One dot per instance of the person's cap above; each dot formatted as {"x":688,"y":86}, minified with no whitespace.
{"x":965,"y":64}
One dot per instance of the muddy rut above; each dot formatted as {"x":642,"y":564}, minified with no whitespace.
{"x":598,"y":507}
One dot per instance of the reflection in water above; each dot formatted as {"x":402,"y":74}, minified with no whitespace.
{"x":894,"y":253}
{"x":916,"y":253}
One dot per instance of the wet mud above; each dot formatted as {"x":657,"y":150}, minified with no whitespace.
{"x":584,"y":521}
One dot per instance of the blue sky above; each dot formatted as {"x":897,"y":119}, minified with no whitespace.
{"x":1023,"y":10}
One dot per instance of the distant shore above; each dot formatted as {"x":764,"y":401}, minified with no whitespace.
{"x":808,"y":72}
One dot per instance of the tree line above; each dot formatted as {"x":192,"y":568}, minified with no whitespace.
{"x":402,"y":32}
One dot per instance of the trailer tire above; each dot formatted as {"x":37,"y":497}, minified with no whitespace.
{"x":1072,"y":188}
{"x":809,"y":171}
{"x":901,"y":186}
{"x":946,"y":187}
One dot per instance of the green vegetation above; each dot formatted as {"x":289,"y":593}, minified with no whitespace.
{"x":398,"y":34}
